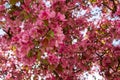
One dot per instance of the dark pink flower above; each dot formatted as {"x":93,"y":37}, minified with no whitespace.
{"x":53,"y":59}
{"x":2,"y":7}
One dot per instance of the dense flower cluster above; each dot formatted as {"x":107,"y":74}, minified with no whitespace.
{"x":38,"y":39}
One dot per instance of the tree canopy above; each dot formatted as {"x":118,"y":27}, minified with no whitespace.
{"x":46,"y":39}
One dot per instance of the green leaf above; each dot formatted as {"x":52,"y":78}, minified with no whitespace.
{"x":93,"y":1}
{"x":44,"y":61}
{"x":50,"y":34}
{"x":59,"y":68}
{"x":12,"y":2}
{"x":119,"y":68}
{"x":51,"y":68}
{"x":66,"y":29}
{"x":39,"y":55}
{"x":36,"y":42}
{"x":104,"y":26}
{"x":25,"y":15}
{"x":21,"y":1}
{"x":67,"y":1}
{"x":45,"y":22}
{"x":45,"y":42}
{"x":30,"y":54}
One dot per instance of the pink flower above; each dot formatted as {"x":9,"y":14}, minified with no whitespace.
{"x":53,"y":59}
{"x":46,"y":14}
{"x":39,"y":22}
{"x":25,"y":37}
{"x":28,"y":61}
{"x":8,"y":76}
{"x":27,"y":2}
{"x":118,"y":10}
{"x":59,"y":36}
{"x":106,"y":61}
{"x":116,"y":78}
{"x":59,"y":40}
{"x":61,"y":16}
{"x":15,"y":39}
{"x":26,"y":8}
{"x":117,"y":51}
{"x":33,"y":32}
{"x":51,"y":78}
{"x":2,"y":7}
{"x":52,"y":14}
{"x":23,"y":51}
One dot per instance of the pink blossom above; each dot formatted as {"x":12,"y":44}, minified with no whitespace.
{"x":59,"y":36}
{"x":25,"y":37}
{"x":23,"y":51}
{"x":106,"y":61}
{"x":27,"y":2}
{"x":28,"y":61}
{"x":116,"y":78}
{"x":46,"y":14}
{"x":52,"y":14}
{"x":43,"y":15}
{"x":61,"y":16}
{"x":2,"y":7}
{"x":33,"y":32}
{"x":26,"y":8}
{"x":15,"y":38}
{"x":39,"y":22}
{"x":118,"y":10}
{"x":53,"y":59}
{"x":8,"y":76}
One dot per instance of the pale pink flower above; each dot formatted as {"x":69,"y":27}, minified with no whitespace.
{"x":33,"y":32}
{"x":23,"y":51}
{"x":28,"y":61}
{"x":25,"y":37}
{"x":59,"y":36}
{"x":52,"y":14}
{"x":61,"y":16}
{"x":8,"y":76}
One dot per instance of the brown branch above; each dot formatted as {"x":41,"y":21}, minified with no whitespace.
{"x":73,"y":8}
{"x":8,"y":32}
{"x":117,"y":66}
{"x":107,"y":6}
{"x":46,"y":33}
{"x":115,"y":7}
